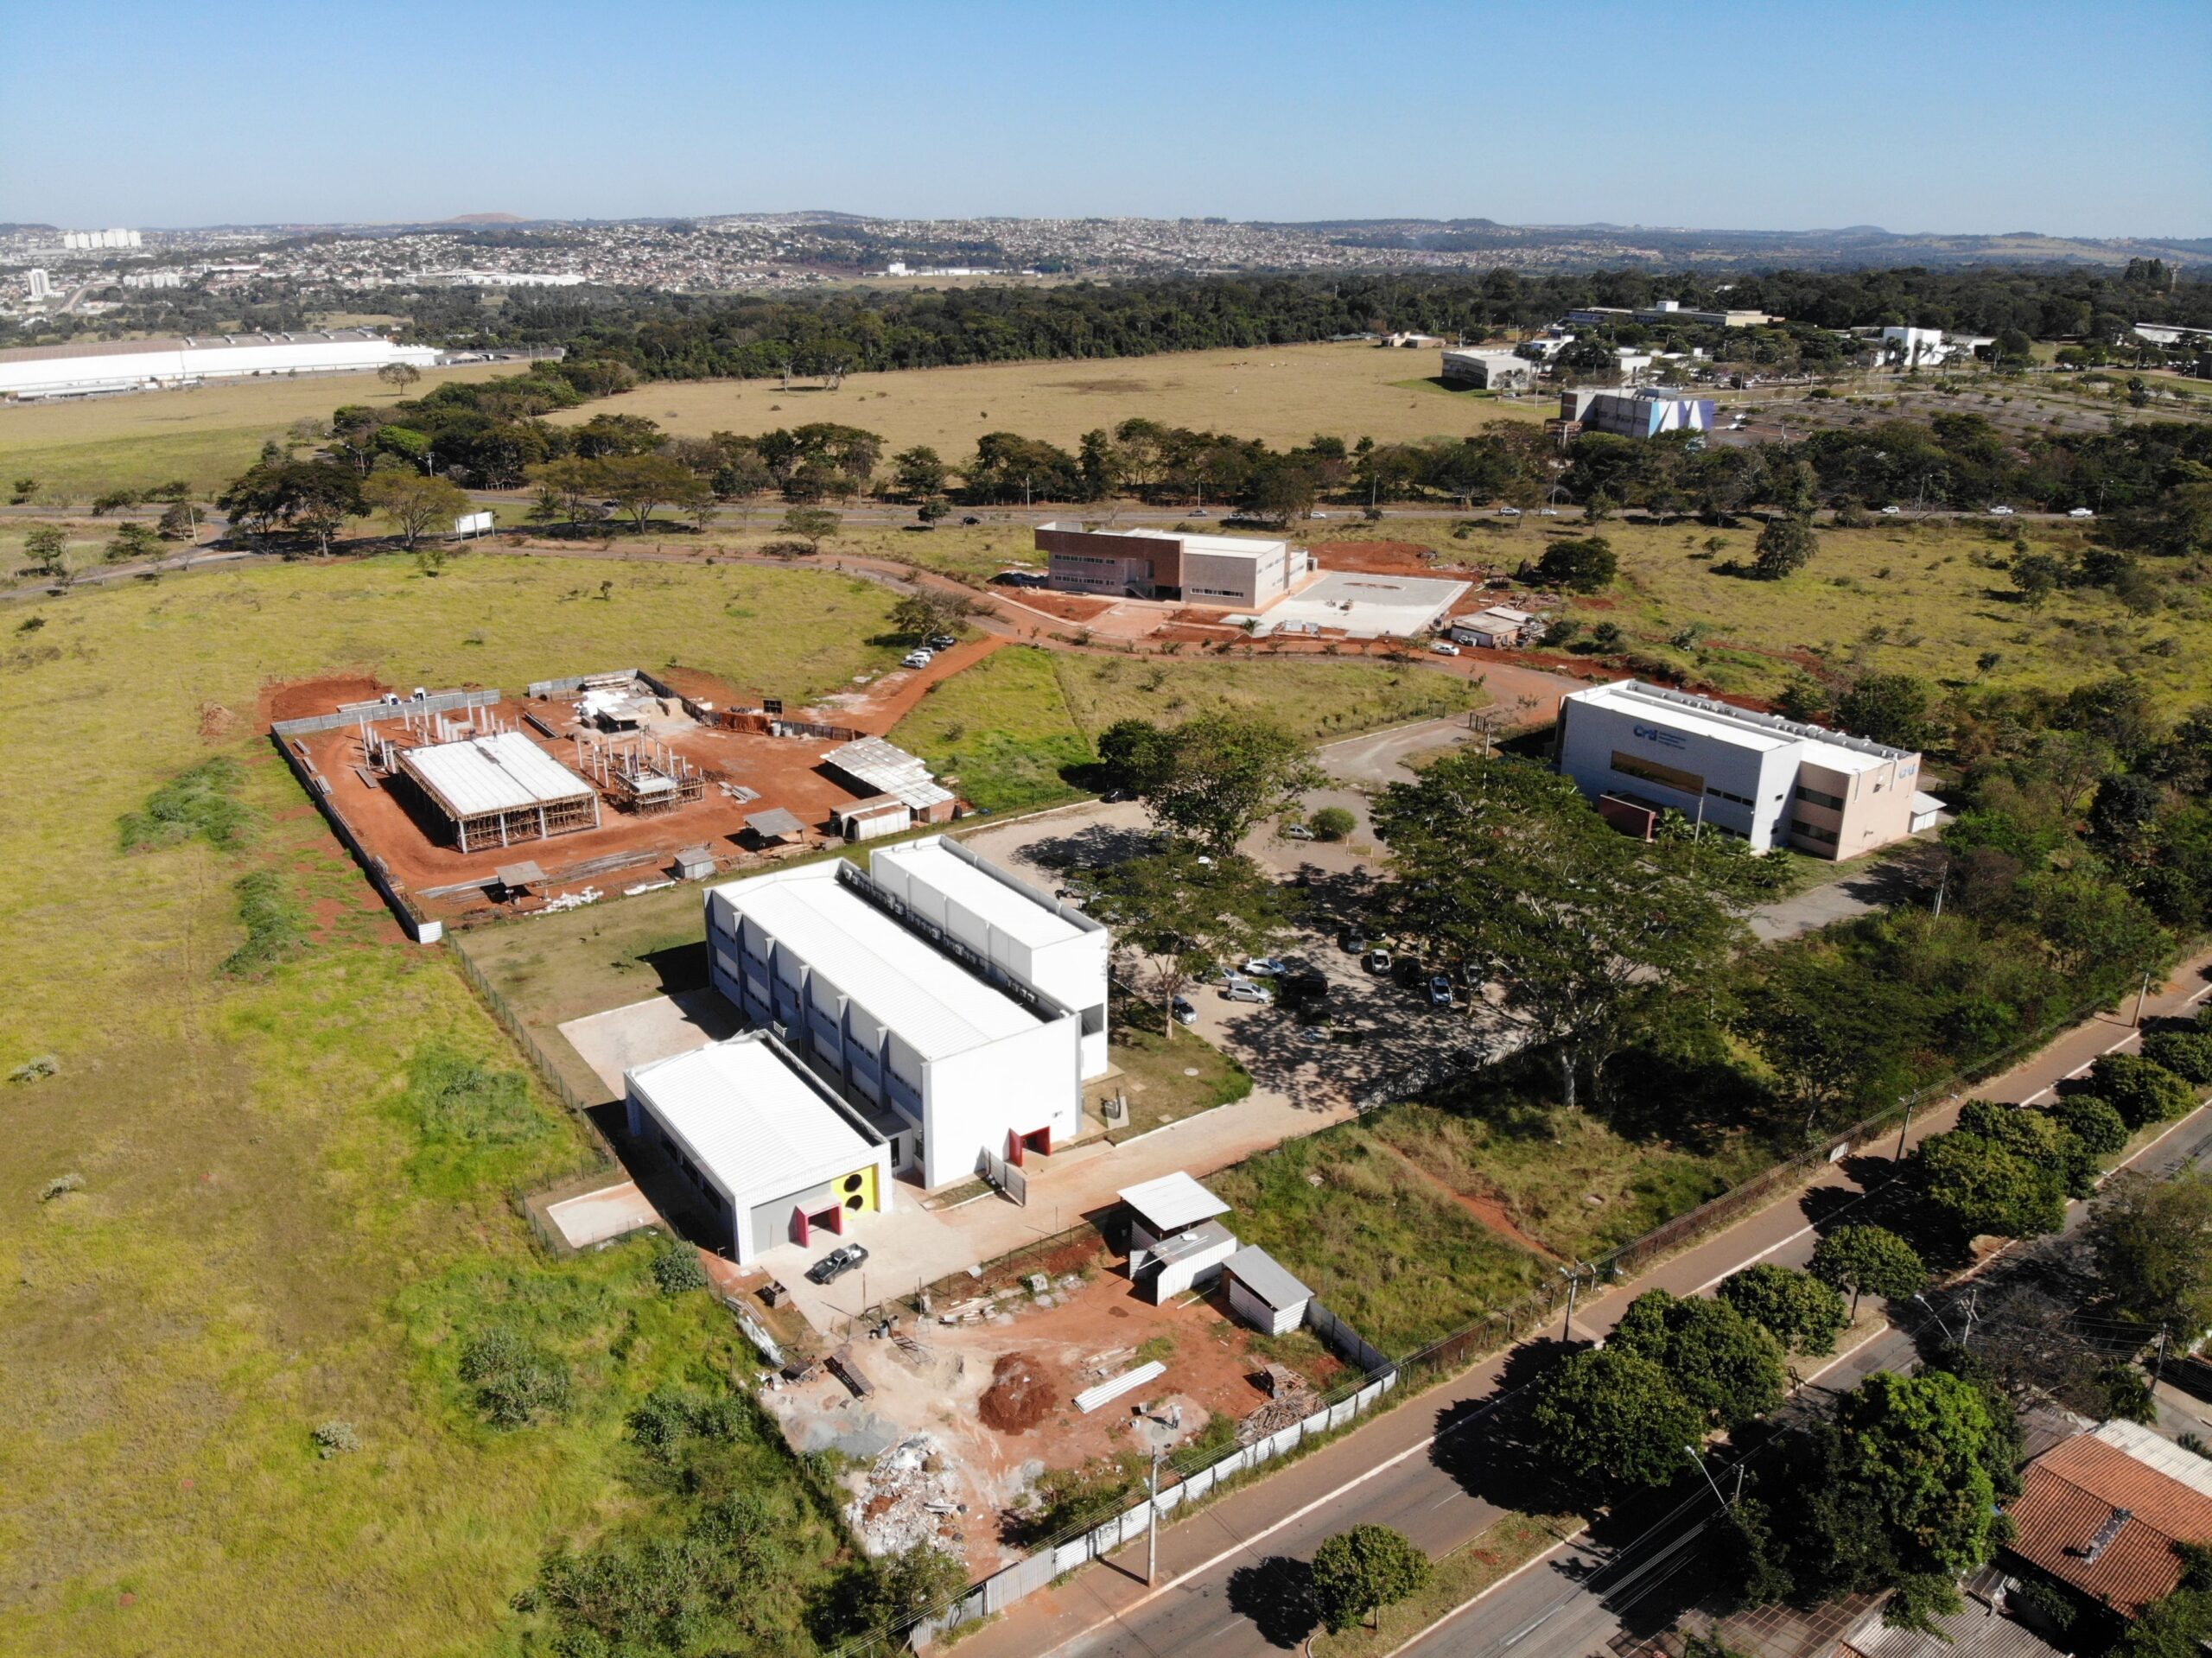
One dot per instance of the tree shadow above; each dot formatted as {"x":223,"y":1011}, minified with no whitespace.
{"x":1277,"y":1595}
{"x":1478,"y":1444}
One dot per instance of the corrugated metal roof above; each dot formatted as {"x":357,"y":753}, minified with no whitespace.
{"x":501,"y":773}
{"x":1266,"y":1277}
{"x":750,"y":1119}
{"x":774,"y":822}
{"x":884,"y":767}
{"x":1017,"y":912}
{"x":2073,"y":1493}
{"x":1173,"y":1202}
{"x":933,"y":1003}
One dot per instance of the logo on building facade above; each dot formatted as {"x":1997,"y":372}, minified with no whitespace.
{"x":1657,"y":734}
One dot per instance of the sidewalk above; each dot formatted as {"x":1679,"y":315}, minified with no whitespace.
{"x":1387,"y":1472}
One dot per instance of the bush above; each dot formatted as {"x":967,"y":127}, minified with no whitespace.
{"x":335,"y":1438}
{"x":515,"y":1383}
{"x":1583,"y":565}
{"x":274,"y":926}
{"x":2188,"y":1054}
{"x":36,"y":1070}
{"x":2140,"y":1089}
{"x":61,"y":1185}
{"x":200,"y":802}
{"x":678,"y":1269}
{"x":1332,"y":823}
{"x":457,"y":1098}
{"x":1786,"y":546}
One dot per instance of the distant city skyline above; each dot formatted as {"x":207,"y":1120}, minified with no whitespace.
{"x":1971,"y":118}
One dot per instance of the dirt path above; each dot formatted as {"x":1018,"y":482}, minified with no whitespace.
{"x":1488,"y":1209}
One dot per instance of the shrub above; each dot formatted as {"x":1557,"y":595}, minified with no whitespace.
{"x":335,"y":1438}
{"x":2188,"y":1054}
{"x":36,"y":1070}
{"x":275,"y":927}
{"x":1787,"y":545}
{"x":2140,"y":1089}
{"x":678,"y":1269}
{"x":61,"y":1185}
{"x":456,"y":1097}
{"x":515,"y":1383}
{"x":1585,"y":565}
{"x":1332,"y":823}
{"x":202,"y":801}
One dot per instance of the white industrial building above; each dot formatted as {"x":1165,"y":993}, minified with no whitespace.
{"x":1048,"y":948}
{"x":774,"y":1155}
{"x":1229,"y":571}
{"x":1494,"y":371}
{"x":502,"y":787}
{"x":91,"y":367}
{"x":88,"y":240}
{"x":1927,"y":347}
{"x":971,"y":1063}
{"x":1177,"y":1242}
{"x":1639,"y":750}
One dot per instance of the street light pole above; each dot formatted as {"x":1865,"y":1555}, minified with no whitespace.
{"x":2141,"y":997}
{"x":1937,"y":1316}
{"x":1708,"y":1472}
{"x":1152,"y":1530}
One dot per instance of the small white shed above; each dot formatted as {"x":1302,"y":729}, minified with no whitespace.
{"x":1176,"y":1242}
{"x":1263,"y":1293}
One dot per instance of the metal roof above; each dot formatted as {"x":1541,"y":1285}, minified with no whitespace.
{"x":926,"y":998}
{"x":1173,"y":1202}
{"x":751,"y":1118}
{"x":515,"y":876}
{"x":1261,"y":1274}
{"x":890,"y":770}
{"x":504,"y":771}
{"x":774,"y":822}
{"x":1020,"y":912}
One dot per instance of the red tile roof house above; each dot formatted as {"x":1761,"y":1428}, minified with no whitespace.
{"x":2102,"y":1511}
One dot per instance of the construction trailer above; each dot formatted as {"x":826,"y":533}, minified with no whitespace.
{"x":496,"y":789}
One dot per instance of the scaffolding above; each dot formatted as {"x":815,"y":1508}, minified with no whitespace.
{"x":640,"y":773}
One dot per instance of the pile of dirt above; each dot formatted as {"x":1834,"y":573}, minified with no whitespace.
{"x":216,"y":723}
{"x":1024,"y":1391}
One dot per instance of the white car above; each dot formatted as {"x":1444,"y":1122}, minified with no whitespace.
{"x":1891,"y":512}
{"x":2000,"y":512}
{"x":1547,"y":512}
{"x":916,"y":659}
{"x":1509,"y":512}
{"x":1317,"y":513}
{"x":1444,"y":647}
{"x":2081,"y":512}
{"x":1264,"y":967}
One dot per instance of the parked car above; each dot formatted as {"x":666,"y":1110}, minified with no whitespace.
{"x":1547,"y":512}
{"x":971,"y":518}
{"x":940,"y":641}
{"x":1509,"y":512}
{"x":1184,"y":1013}
{"x":2000,"y":512}
{"x":1891,"y":512}
{"x":1264,"y":967}
{"x":1238,"y":989}
{"x":1296,"y":832}
{"x":1305,"y":987}
{"x":1377,"y":960}
{"x":1444,"y":647}
{"x":1318,"y":513}
{"x":2081,"y":512}
{"x":1352,"y":941}
{"x":916,"y":659}
{"x":1440,"y":990}
{"x":837,"y":1262}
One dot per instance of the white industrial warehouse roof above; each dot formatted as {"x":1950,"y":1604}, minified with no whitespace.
{"x":1266,"y":1277}
{"x":1835,"y":750}
{"x":1173,"y":1202}
{"x":890,"y":770}
{"x":1235,"y":546}
{"x":1022,"y":915}
{"x":931,"y":1001}
{"x":749,"y":1118}
{"x":504,"y":771}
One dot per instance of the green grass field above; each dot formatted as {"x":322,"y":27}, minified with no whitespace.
{"x":268,"y":1232}
{"x":1003,"y":729}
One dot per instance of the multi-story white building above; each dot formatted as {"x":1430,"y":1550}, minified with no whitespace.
{"x":900,"y":1015}
{"x":1638,"y":750}
{"x":39,"y":286}
{"x":1495,"y":371}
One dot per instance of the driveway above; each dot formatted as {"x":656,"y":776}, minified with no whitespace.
{"x":623,"y":1037}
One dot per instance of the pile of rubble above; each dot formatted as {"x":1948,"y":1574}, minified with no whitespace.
{"x":1000,"y":1306}
{"x":908,"y":1497}
{"x":1292,"y":1400}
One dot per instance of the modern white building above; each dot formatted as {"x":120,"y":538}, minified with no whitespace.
{"x":38,"y":285}
{"x":93,"y":366}
{"x":88,"y":240}
{"x":1639,"y":750}
{"x":1643,"y":413}
{"x":1928,"y":347}
{"x":1493,"y":371}
{"x":1239,"y":571}
{"x":772,"y":1152}
{"x":1048,"y":948}
{"x":898,"y":1017}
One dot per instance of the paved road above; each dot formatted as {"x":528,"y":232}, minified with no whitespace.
{"x":1421,"y":1467}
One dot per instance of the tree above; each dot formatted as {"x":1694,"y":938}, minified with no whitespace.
{"x":1606,"y":1415}
{"x":904,"y":1588}
{"x":47,"y":547}
{"x":2154,"y":1244}
{"x":2101,"y":1129}
{"x":1583,"y":564}
{"x":1133,"y":754}
{"x":1868,"y":1259}
{"x":1502,"y":864}
{"x":2036,"y":576}
{"x":1332,"y":823}
{"x":638,"y":484}
{"x":928,"y":612}
{"x":415,"y":506}
{"x":2188,"y":1054}
{"x":1800,"y":1311}
{"x":310,"y":497}
{"x":608,"y":437}
{"x":1358,"y":1572}
{"x":1180,"y":918}
{"x":1785,"y":546}
{"x":812,"y":525}
{"x":1841,"y":1042}
{"x":2001,"y":1171}
{"x":917,"y":474}
{"x":1219,"y":774}
{"x":2142,"y":1090}
{"x":132,"y":540}
{"x":399,"y":376}
{"x":1886,"y":708}
{"x":178,"y":522}
{"x":1727,"y":1366}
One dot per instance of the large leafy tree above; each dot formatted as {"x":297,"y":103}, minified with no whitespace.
{"x":2153,"y":1243}
{"x":1357,"y":1573}
{"x":1178,"y":917}
{"x":1218,"y":775}
{"x":1726,"y":1365}
{"x":1503,"y":866}
{"x":308,"y":498}
{"x":1800,"y":1311}
{"x":1609,"y":1414}
{"x":2000,"y":1172}
{"x":639,"y":484}
{"x":415,"y":506}
{"x":1869,"y":1259}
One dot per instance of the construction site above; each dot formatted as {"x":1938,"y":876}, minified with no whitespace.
{"x":954,"y":1419}
{"x":463,"y":805}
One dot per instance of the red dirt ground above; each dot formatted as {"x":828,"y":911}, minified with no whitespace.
{"x":895,"y":696}
{"x":1068,"y":607}
{"x":1024,"y":1390}
{"x":297,"y":699}
{"x":1375,"y":557}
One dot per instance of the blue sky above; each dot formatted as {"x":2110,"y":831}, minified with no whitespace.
{"x":1953,"y":115}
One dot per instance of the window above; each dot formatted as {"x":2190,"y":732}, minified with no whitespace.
{"x":1812,"y":831}
{"x":1722,"y":794}
{"x":1667,"y":777}
{"x":1815,"y":797}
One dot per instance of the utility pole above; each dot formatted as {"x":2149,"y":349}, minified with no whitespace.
{"x":1152,"y":1530}
{"x":2158,"y":1360}
{"x":2142,"y":997}
{"x":1574,"y":1283}
{"x":1904,"y":1128}
{"x":1937,"y":1316}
